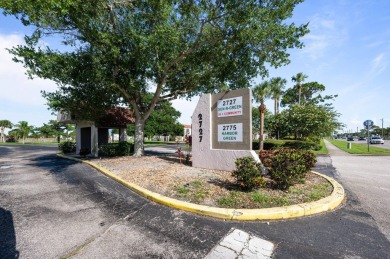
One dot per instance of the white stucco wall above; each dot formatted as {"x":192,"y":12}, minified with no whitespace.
{"x":94,"y":137}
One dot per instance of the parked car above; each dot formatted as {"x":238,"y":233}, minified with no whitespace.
{"x":350,"y":139}
{"x":376,"y":140}
{"x":362,"y":138}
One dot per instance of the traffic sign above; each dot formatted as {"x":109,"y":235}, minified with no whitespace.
{"x":368,"y":123}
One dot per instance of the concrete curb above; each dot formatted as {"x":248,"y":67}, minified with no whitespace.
{"x":287,"y":212}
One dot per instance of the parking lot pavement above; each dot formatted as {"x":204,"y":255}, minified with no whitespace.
{"x":53,"y":208}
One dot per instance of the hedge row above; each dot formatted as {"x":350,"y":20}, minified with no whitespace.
{"x":296,"y":144}
{"x":116,"y":149}
{"x":108,"y":150}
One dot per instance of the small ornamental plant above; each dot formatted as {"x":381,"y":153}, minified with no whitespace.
{"x":289,"y":166}
{"x":248,"y":173}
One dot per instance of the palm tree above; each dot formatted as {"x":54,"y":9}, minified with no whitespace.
{"x":277,"y":87}
{"x":23,"y":129}
{"x":299,"y":78}
{"x":3,"y":125}
{"x":260,"y":93}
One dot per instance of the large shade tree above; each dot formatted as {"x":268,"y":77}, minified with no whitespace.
{"x":310,"y":95}
{"x":310,"y":117}
{"x":308,"y":122}
{"x":171,"y":48}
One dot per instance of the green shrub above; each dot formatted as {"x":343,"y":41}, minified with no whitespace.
{"x":67,"y":147}
{"x":248,"y":173}
{"x":124,"y":148}
{"x":289,"y":166}
{"x":116,"y":149}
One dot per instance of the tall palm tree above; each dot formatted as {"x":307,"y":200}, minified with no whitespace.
{"x":277,"y":86}
{"x":3,"y":125}
{"x":23,"y":129}
{"x":299,"y":78}
{"x":260,"y":93}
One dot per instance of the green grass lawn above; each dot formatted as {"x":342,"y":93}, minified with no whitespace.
{"x":323,"y":150}
{"x":359,"y":148}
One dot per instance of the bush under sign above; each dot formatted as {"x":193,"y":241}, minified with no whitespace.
{"x":230,"y":132}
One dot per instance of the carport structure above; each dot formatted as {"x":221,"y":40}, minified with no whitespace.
{"x":90,"y":135}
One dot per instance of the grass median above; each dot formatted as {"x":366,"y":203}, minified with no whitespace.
{"x":357,"y":148}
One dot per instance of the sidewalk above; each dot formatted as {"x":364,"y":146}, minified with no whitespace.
{"x":334,"y":151}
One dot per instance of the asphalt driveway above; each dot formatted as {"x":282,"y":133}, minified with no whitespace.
{"x":53,"y":208}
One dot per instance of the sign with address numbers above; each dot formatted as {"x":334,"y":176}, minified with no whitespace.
{"x":230,"y":107}
{"x":222,"y":129}
{"x":230,"y":132}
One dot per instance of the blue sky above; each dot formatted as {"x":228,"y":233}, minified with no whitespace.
{"x":347,"y":50}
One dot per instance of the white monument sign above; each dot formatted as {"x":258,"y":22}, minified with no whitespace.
{"x":222,"y":130}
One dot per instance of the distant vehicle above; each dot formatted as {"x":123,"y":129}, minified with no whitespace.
{"x":362,"y":138}
{"x":376,"y":140}
{"x":350,"y":139}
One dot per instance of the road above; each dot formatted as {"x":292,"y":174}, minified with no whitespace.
{"x":369,"y":178}
{"x":53,"y":208}
{"x":385,"y":145}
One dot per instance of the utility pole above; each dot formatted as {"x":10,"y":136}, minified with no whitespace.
{"x":382,"y":129}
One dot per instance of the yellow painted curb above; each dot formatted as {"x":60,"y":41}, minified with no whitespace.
{"x":293,"y":211}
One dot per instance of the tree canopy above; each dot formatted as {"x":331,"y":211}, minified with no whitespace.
{"x":308,"y":114}
{"x":310,"y":95}
{"x":22,"y":130}
{"x":171,"y":48}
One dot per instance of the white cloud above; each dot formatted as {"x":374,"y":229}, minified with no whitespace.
{"x":325,"y":34}
{"x":379,"y":64}
{"x":15,"y":86}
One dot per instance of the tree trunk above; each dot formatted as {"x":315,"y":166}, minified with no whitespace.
{"x":275,"y":106}
{"x":261,"y":140}
{"x":139,"y":137}
{"x":299,"y":93}
{"x":2,"y":134}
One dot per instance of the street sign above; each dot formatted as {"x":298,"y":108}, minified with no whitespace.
{"x":368,"y":124}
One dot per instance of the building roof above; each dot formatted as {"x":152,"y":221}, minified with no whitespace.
{"x":117,"y":117}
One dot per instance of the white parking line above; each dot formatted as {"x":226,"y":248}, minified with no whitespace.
{"x":242,"y":245}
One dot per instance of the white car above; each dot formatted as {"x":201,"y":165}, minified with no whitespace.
{"x":376,"y":140}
